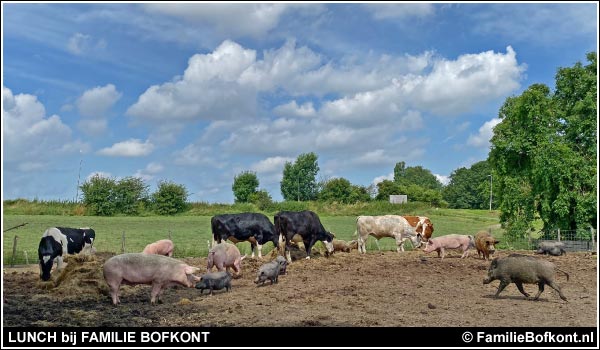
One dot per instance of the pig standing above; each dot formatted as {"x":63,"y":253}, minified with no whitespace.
{"x":268,"y":271}
{"x":214,"y":281}
{"x":440,"y":244}
{"x":139,"y":268}
{"x":282,"y":263}
{"x":224,"y":256}
{"x":162,"y":247}
{"x":485,"y":244}
{"x":521,"y":269}
{"x":552,"y":248}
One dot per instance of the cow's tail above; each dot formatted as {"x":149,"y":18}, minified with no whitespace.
{"x":566,"y":274}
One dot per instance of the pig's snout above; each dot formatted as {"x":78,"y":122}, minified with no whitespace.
{"x":487,"y":280}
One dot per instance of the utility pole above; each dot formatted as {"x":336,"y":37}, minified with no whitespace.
{"x":78,"y":178}
{"x":490,"y":191}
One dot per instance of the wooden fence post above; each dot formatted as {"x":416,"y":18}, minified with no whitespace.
{"x":26,"y":257}
{"x":123,"y":243}
{"x":558,"y":235}
{"x":14,"y":252}
{"x":593,"y":239}
{"x":170,"y":239}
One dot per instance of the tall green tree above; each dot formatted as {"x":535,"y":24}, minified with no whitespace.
{"x":299,"y":178}
{"x":469,"y":188}
{"x":244,"y":186}
{"x":99,"y":195}
{"x":416,"y":175}
{"x":130,"y":193}
{"x":544,"y":153}
{"x":337,"y":189}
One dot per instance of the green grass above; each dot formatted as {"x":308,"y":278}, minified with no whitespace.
{"x":191,"y":233}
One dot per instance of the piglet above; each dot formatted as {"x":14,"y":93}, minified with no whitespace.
{"x":441,"y":243}
{"x":162,"y":247}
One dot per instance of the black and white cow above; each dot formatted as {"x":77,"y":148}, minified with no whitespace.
{"x":252,"y":227}
{"x":307,"y":225}
{"x":57,"y":242}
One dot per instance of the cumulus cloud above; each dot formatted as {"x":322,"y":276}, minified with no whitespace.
{"x":378,"y":179}
{"x":482,"y":138}
{"x":271,"y":164}
{"x":101,"y":174}
{"x":129,"y":148}
{"x":93,"y":105}
{"x":31,"y":139}
{"x":445,"y":180}
{"x":291,"y":109}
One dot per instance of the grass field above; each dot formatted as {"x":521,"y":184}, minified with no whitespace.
{"x":191,"y":233}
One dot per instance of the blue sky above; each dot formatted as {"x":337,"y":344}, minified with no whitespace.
{"x":197,"y":93}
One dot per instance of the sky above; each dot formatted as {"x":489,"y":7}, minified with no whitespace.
{"x":196,"y":93}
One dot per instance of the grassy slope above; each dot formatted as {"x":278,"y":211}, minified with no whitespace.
{"x":190,"y":233}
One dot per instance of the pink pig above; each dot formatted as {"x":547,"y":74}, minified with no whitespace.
{"x":162,"y":247}
{"x":441,"y":243}
{"x":225,"y":255}
{"x":139,"y":268}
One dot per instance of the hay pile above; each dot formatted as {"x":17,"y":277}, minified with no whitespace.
{"x":82,"y":276}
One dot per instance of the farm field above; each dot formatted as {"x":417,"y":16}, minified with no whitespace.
{"x":409,"y":289}
{"x":191,"y":233}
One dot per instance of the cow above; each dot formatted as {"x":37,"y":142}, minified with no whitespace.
{"x":57,"y":242}
{"x":252,"y":227}
{"x":394,"y":226}
{"x":422,"y":226}
{"x":305,"y":224}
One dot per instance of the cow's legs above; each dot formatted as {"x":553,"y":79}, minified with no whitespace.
{"x":361,"y":244}
{"x":308,"y":246}
{"x":259,"y":248}
{"x":252,"y":248}
{"x":399,"y":243}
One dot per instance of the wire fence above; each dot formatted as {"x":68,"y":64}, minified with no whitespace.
{"x":573,"y":240}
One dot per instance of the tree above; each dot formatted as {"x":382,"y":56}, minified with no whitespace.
{"x":415,"y":175}
{"x":99,"y":195}
{"x":262,"y":199}
{"x":386,"y":188}
{"x":469,"y":188}
{"x":129,"y":193}
{"x":544,"y":153}
{"x":244,"y":185}
{"x":170,"y":198}
{"x":299,"y":178}
{"x":338,"y":189}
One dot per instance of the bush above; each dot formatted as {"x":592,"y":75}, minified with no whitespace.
{"x":130,"y":193}
{"x":262,"y":199}
{"x":170,"y":198}
{"x":99,"y":195}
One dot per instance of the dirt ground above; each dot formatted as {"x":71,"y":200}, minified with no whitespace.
{"x":348,"y":289}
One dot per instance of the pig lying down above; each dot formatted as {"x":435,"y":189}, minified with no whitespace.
{"x":162,"y":247}
{"x":440,"y":244}
{"x":521,"y":269}
{"x":139,"y":268}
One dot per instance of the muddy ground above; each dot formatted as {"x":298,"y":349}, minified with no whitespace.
{"x":347,"y":289}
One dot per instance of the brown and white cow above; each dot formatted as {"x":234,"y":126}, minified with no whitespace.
{"x":393,"y":226}
{"x":422,"y":226}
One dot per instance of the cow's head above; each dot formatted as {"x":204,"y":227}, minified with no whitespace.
{"x":424,"y":230}
{"x":47,"y":251}
{"x":328,"y":241}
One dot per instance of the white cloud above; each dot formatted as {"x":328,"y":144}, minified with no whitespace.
{"x":129,"y":148}
{"x":457,"y":86}
{"x":92,"y":126}
{"x":101,"y":174}
{"x":378,"y":179}
{"x":94,"y":103}
{"x":196,"y":154}
{"x":233,"y":20}
{"x":271,"y":164}
{"x":399,"y":11}
{"x":80,"y":44}
{"x":30,"y":138}
{"x":292,"y":109}
{"x":148,"y":173}
{"x":445,"y":180}
{"x":486,"y":131}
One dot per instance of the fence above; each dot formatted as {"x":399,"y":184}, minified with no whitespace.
{"x":574,"y":240}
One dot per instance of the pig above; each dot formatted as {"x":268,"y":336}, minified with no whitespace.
{"x":162,"y":247}
{"x":224,"y":256}
{"x":552,"y":248}
{"x":282,"y":263}
{"x":342,"y":246}
{"x":521,"y":269}
{"x":138,"y":268}
{"x":440,"y":244}
{"x":214,"y":281}
{"x":268,"y":271}
{"x":485,"y":244}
